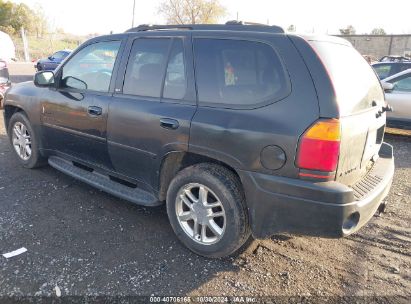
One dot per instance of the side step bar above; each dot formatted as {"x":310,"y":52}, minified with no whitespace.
{"x":103,"y":182}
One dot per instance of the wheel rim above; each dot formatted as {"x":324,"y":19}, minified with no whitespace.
{"x":200,"y":213}
{"x":21,"y":141}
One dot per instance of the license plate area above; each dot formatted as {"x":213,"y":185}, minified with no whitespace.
{"x":372,"y":146}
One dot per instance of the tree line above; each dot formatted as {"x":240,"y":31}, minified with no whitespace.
{"x":350,"y":30}
{"x":14,"y":17}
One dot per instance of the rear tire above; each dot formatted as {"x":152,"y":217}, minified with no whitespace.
{"x":190,"y":200}
{"x":24,"y":141}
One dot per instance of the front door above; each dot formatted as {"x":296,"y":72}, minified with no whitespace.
{"x":74,"y":113}
{"x":400,"y":98}
{"x":151,"y":114}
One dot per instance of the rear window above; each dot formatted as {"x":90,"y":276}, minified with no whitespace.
{"x":354,"y":81}
{"x":237,"y":73}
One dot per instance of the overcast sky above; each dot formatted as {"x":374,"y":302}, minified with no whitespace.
{"x":319,"y":16}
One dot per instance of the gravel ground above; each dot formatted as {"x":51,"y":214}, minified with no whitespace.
{"x":87,"y":242}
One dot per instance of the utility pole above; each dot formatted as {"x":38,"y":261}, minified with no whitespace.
{"x":134,"y":7}
{"x":25,"y":45}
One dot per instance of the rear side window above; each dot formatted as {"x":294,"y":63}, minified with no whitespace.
{"x":175,"y":83}
{"x":404,"y":67}
{"x":146,"y":67}
{"x":237,"y":73}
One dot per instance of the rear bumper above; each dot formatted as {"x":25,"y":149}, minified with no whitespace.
{"x":326,"y":209}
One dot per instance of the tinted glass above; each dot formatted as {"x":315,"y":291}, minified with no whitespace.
{"x":354,"y":81}
{"x":404,"y":66}
{"x":91,"y":68}
{"x":402,"y":84}
{"x":146,"y":67}
{"x":175,"y":82}
{"x":58,"y":55}
{"x":382,"y":70}
{"x":234,"y":72}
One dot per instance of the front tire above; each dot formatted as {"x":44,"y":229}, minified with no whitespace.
{"x":24,"y":141}
{"x":206,"y":208}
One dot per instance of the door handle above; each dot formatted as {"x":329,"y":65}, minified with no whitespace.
{"x":95,"y":111}
{"x":169,"y":123}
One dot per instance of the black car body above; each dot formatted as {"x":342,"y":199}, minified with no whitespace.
{"x":389,"y":68}
{"x":281,"y":140}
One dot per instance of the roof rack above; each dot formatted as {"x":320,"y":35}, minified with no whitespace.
{"x":229,"y":26}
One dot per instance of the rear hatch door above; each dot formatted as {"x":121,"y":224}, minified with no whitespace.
{"x":360,"y":101}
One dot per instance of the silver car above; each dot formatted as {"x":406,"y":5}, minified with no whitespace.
{"x":398,"y":95}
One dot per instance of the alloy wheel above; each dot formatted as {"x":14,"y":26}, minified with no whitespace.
{"x":21,"y":141}
{"x":200,"y":213}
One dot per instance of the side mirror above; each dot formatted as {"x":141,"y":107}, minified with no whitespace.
{"x":44,"y":79}
{"x":50,"y":58}
{"x":388,"y":87}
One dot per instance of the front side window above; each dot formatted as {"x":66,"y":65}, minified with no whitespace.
{"x":402,"y":84}
{"x":146,"y":67}
{"x":91,"y":68}
{"x":238,"y":73}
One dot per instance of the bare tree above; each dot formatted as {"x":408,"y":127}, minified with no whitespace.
{"x":291,"y":28}
{"x":349,"y":30}
{"x":378,"y":31}
{"x":40,"y":21}
{"x":191,"y":11}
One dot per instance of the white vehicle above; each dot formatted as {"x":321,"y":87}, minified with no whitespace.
{"x":7,"y":48}
{"x":398,"y":95}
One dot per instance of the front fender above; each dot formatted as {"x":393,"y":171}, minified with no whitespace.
{"x":25,"y":97}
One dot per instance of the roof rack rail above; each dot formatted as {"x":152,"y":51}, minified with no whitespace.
{"x":229,"y":26}
{"x":240,"y":22}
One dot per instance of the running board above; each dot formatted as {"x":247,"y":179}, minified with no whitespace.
{"x":103,"y":182}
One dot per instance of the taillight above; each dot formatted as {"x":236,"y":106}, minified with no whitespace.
{"x":319,"y":146}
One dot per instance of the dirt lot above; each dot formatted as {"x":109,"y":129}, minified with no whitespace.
{"x":89,"y":243}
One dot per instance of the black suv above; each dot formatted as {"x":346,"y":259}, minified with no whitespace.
{"x":387,"y":69}
{"x":238,"y":129}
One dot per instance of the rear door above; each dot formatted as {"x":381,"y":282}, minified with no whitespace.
{"x":400,"y":98}
{"x":154,"y":103}
{"x":360,"y":100}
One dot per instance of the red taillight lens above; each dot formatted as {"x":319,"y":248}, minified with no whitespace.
{"x":319,"y":147}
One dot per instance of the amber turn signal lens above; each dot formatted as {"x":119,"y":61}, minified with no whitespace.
{"x":325,"y":130}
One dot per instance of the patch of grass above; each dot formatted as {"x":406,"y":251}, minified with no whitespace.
{"x":47,"y":45}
